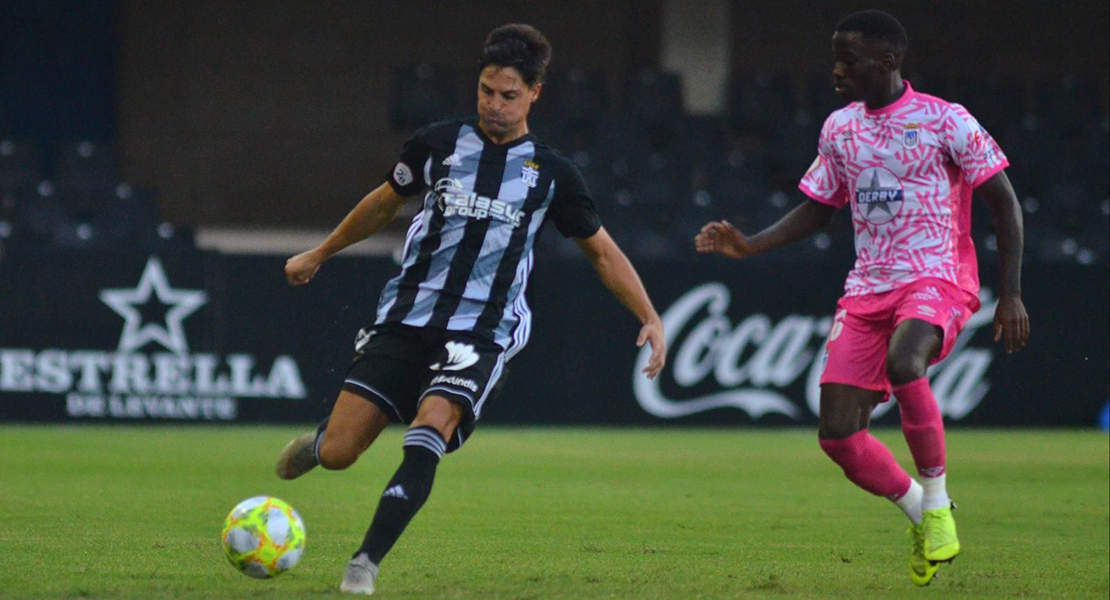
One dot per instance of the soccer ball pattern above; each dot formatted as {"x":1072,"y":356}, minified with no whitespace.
{"x":263,"y":537}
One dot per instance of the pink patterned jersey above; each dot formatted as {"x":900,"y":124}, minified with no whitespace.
{"x":908,"y":170}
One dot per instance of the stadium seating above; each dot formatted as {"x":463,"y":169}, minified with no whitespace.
{"x":663,"y":174}
{"x":20,"y":164}
{"x":422,"y":94}
{"x":1069,"y":103}
{"x":83,"y":206}
{"x":996,"y":102}
{"x":576,"y":95}
{"x":758,"y":101}
{"x":654,"y":97}
{"x":657,"y":173}
{"x":86,"y":165}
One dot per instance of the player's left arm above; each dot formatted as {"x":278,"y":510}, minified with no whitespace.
{"x":618,"y":274}
{"x":1011,"y":322}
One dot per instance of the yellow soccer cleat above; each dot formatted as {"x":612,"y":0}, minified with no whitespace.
{"x":922,"y":570}
{"x":939,"y":530}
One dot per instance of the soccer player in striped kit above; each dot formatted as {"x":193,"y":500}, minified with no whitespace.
{"x":906,"y":163}
{"x":449,"y":323}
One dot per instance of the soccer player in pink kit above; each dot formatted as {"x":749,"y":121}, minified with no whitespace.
{"x":906,"y":163}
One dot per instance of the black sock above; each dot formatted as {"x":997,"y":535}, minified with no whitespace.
{"x":320,"y":436}
{"x":406,"y":492}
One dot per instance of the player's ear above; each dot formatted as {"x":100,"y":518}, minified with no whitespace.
{"x":535,"y":91}
{"x":892,"y":60}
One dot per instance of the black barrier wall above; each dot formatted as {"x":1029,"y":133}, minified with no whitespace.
{"x":215,"y":338}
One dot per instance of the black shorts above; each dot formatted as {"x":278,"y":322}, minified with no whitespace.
{"x":397,"y":366}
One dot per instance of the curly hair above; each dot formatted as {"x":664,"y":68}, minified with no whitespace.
{"x":876,"y":25}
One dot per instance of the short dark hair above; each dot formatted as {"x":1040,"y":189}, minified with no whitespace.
{"x":876,"y":25}
{"x":519,"y":46}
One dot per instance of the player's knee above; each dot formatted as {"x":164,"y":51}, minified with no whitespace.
{"x":901,"y":368}
{"x":837,"y":425}
{"x":833,"y":444}
{"x":836,"y":430}
{"x":336,"y":456}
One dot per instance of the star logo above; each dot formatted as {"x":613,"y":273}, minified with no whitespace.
{"x":878,"y":195}
{"x":128,"y":303}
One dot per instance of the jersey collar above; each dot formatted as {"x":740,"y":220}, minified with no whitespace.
{"x":907,"y":96}
{"x":482,"y":135}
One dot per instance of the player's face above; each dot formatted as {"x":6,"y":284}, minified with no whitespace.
{"x":504,"y":99}
{"x":859,"y":67}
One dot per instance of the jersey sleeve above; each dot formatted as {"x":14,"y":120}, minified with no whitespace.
{"x":822,"y":182}
{"x":971,"y":147}
{"x":407,"y":176}
{"x":572,"y":209}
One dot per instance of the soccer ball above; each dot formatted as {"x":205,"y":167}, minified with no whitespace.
{"x":263,"y":537}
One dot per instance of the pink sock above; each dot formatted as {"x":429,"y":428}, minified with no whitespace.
{"x":868,"y":464}
{"x":923,"y":426}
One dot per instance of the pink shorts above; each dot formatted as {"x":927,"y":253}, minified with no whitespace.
{"x":856,"y":351}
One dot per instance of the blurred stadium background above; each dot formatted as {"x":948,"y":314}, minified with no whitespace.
{"x":160,"y":160}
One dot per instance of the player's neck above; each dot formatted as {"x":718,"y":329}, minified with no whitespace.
{"x":505,"y":138}
{"x":888,"y":94}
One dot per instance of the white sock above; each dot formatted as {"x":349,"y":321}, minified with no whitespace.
{"x":936,"y":494}
{"x":910,"y":502}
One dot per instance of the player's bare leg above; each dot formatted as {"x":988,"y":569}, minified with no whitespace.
{"x":354,"y":424}
{"x":440,"y":413}
{"x":845,"y":410}
{"x":914,"y":345}
{"x":425,"y":442}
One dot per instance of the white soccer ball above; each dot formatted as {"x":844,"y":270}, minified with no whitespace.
{"x":263,"y":537}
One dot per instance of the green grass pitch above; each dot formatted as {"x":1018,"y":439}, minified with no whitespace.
{"x":96,"y":512}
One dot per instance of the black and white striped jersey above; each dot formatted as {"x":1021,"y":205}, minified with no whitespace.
{"x":468,"y":253}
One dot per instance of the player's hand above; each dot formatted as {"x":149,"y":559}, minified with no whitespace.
{"x":300,"y":269}
{"x":652,"y":333}
{"x":722,"y":237}
{"x":1011,"y":323}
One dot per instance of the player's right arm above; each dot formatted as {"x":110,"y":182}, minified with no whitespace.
{"x":722,"y":237}
{"x":372,"y":213}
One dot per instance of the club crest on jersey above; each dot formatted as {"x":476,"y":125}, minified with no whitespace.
{"x":530,"y":173}
{"x":879,"y":195}
{"x":911,"y":136}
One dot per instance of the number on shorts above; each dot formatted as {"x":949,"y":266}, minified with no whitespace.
{"x":838,"y":325}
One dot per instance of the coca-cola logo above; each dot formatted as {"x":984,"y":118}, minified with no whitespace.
{"x":749,"y":365}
